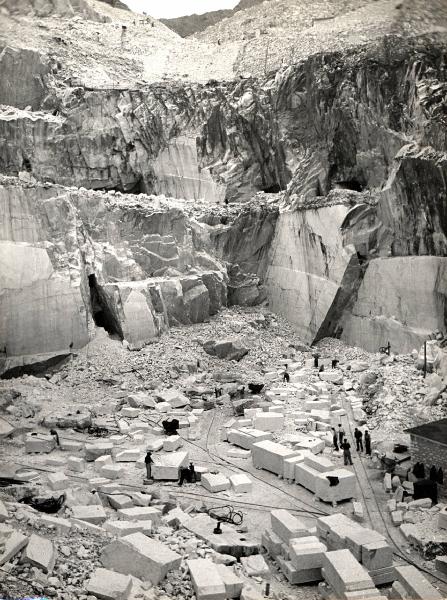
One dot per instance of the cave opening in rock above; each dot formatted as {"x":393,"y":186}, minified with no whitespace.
{"x":103,"y":314}
{"x":350,"y":184}
{"x":361,"y":258}
{"x":27,"y":164}
{"x":273,"y":189}
{"x":136,"y":187}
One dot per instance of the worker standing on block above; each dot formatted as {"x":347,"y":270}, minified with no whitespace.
{"x":55,"y":435}
{"x":123,"y":35}
{"x":358,"y":439}
{"x":346,"y":447}
{"x":367,"y":443}
{"x":148,"y":462}
{"x":335,"y":439}
{"x":286,"y":376}
{"x":341,"y":434}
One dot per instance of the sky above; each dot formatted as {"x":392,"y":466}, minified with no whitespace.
{"x":167,"y":9}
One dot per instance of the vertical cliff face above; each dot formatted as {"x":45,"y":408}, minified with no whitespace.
{"x":191,"y":142}
{"x":309,"y":267}
{"x":73,"y":258}
{"x":354,"y":122}
{"x":41,"y":300}
{"x":332,"y":170}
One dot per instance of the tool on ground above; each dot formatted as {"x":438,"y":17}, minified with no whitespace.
{"x":225,"y":514}
{"x":46,"y":505}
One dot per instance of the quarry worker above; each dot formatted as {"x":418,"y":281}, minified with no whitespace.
{"x":367,"y":437}
{"x":148,"y":462}
{"x":187,"y":474}
{"x":341,"y":433}
{"x":55,"y":435}
{"x":123,"y":34}
{"x":192,"y":473}
{"x":358,"y":439}
{"x":433,"y":475}
{"x":286,"y":375}
{"x":184,"y":475}
{"x":316,"y":356}
{"x":346,"y":447}
{"x":334,"y":439}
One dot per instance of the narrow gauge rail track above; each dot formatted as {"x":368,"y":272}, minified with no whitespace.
{"x":377,"y":511}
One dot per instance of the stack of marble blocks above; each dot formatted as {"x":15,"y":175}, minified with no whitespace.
{"x":321,"y":413}
{"x":367,"y":546}
{"x":298,"y":554}
{"x":263,"y":421}
{"x":313,"y":474}
{"x":306,"y":469}
{"x":270,"y":456}
{"x":245,"y":437}
{"x":346,"y":579}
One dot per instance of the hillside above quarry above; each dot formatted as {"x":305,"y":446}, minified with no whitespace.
{"x":190,"y":24}
{"x":318,"y":189}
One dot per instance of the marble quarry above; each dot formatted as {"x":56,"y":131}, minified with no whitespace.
{"x":334,"y":221}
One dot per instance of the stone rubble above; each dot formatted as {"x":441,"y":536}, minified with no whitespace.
{"x":107,"y":526}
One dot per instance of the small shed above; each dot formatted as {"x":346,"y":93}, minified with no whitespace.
{"x":429,"y":444}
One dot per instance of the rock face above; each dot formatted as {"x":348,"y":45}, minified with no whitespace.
{"x":400,"y":299}
{"x":309,"y":268}
{"x":334,"y":171}
{"x":30,"y":69}
{"x":231,"y":349}
{"x":71,"y":258}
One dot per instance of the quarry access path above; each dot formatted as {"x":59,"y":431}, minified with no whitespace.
{"x":373,"y":497}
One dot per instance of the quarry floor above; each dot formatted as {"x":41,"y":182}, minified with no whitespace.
{"x":104,"y":373}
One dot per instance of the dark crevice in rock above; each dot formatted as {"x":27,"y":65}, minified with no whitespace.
{"x":344,"y":299}
{"x":273,"y":189}
{"x":103,"y":314}
{"x":35,"y":368}
{"x":352,"y":184}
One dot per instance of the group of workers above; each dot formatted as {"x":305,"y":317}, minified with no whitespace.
{"x":340,"y":441}
{"x":286,"y":374}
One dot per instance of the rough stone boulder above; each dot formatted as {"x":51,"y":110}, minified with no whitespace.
{"x":7,"y":397}
{"x":69,"y":421}
{"x":108,"y":585}
{"x":174,"y":397}
{"x":5,"y":428}
{"x":230,"y":349}
{"x":140,"y":556}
